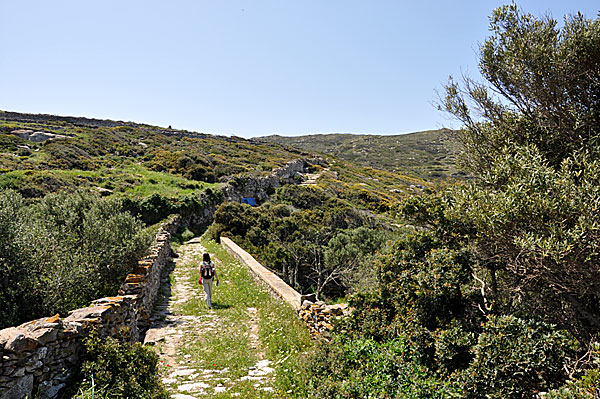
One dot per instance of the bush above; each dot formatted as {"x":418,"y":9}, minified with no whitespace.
{"x":515,"y":358}
{"x":118,"y":371}
{"x":63,"y":251}
{"x":363,"y":368}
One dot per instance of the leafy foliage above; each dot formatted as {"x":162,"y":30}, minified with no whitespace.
{"x":513,"y":356}
{"x":313,"y":240}
{"x":364,"y":368}
{"x":63,"y":251}
{"x":534,"y":209}
{"x":118,"y":371}
{"x":495,"y":289}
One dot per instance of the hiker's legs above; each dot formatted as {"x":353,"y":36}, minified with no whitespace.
{"x":207,"y":285}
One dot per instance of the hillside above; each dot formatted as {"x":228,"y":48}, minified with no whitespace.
{"x":428,"y":155}
{"x":47,"y":153}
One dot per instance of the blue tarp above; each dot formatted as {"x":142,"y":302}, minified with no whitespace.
{"x":250,"y":201}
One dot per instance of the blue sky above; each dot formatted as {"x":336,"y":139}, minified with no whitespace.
{"x":247,"y":67}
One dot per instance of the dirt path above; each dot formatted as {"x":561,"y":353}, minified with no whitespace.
{"x":208,"y":352}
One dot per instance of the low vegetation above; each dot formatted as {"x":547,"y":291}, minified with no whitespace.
{"x":113,"y":369}
{"x":127,"y":159}
{"x":316,"y":242}
{"x":493,"y":294}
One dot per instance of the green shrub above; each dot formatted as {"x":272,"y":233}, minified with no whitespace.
{"x":63,"y":251}
{"x":363,"y":368}
{"x":187,"y":235}
{"x":156,"y":207}
{"x":151,"y":209}
{"x":515,"y":358}
{"x":118,"y":371}
{"x":453,"y":348}
{"x":584,"y":387}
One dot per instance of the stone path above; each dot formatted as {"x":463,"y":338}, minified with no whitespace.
{"x":183,"y":331}
{"x":311,"y":178}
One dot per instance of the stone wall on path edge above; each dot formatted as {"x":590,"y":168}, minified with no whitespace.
{"x":36,"y":358}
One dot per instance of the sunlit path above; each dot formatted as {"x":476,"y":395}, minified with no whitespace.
{"x":221,"y":352}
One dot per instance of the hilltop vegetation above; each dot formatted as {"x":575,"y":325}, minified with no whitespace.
{"x":123,"y":157}
{"x":428,"y":155}
{"x":135,"y":160}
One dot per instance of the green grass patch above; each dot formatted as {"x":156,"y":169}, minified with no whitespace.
{"x":282,"y":335}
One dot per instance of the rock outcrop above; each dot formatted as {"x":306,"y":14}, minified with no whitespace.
{"x":37,"y":137}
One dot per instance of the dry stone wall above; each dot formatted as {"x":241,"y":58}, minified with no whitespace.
{"x":319,"y":316}
{"x":36,"y":358}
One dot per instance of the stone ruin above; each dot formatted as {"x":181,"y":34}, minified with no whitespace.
{"x":319,"y":317}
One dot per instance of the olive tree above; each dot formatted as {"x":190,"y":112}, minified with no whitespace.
{"x":531,"y":136}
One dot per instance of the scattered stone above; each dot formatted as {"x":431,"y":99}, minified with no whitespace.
{"x":194,"y":387}
{"x":318,"y":316}
{"x":182,"y":372}
{"x":220,"y":388}
{"x":103,"y":191}
{"x":182,"y":396}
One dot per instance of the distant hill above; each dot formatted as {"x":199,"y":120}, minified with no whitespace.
{"x":429,"y":154}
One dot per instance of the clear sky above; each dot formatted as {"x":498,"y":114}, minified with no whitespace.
{"x":246,"y":67}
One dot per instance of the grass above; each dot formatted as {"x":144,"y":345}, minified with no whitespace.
{"x":428,"y":155}
{"x":132,"y":180}
{"x":133,"y":159}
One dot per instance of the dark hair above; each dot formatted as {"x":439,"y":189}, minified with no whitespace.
{"x":206,"y":257}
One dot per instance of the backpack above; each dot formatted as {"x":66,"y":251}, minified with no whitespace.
{"x":207,"y":270}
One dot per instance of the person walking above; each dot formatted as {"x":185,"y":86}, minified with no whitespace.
{"x":207,"y":274}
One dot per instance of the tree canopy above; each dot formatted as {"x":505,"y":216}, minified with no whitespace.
{"x":531,"y":136}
